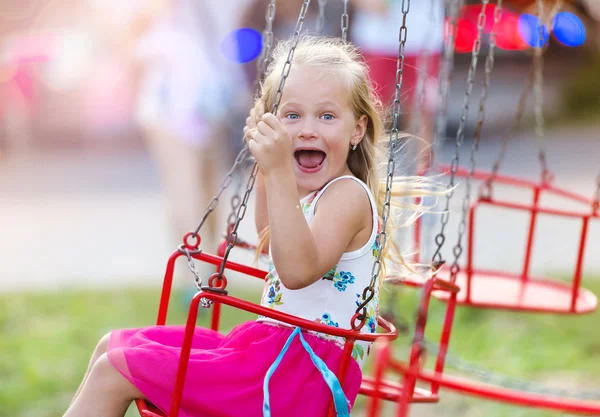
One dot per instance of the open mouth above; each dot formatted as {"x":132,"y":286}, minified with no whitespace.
{"x":309,"y":160}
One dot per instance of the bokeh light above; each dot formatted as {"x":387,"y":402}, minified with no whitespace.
{"x":529,"y":29}
{"x":507,"y":33}
{"x":569,"y":29}
{"x":242,"y":45}
{"x":466,"y":33}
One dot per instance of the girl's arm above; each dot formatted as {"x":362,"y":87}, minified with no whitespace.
{"x":304,"y":253}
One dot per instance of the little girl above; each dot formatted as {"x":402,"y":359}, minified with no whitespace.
{"x":316,"y":206}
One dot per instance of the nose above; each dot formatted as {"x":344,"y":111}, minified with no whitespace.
{"x":308,"y":131}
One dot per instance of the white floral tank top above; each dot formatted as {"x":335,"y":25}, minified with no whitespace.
{"x":334,"y":298}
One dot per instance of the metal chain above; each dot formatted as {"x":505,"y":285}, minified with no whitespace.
{"x":232,"y":238}
{"x":446,"y":71}
{"x":261,"y":68}
{"x":321,"y":16}
{"x":538,"y":91}
{"x":422,"y":68}
{"x":534,"y":82}
{"x":205,"y":303}
{"x":226,"y":182}
{"x":489,"y":66}
{"x":345,"y":22}
{"x":267,"y":37}
{"x":511,"y":133}
{"x":369,"y":292}
{"x":460,"y":135}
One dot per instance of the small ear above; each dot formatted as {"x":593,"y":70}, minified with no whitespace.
{"x":360,"y":129}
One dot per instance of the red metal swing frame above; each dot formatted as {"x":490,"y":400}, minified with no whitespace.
{"x":379,"y":390}
{"x":413,"y":371}
{"x":486,"y":288}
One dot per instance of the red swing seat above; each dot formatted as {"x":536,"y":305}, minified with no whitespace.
{"x":384,"y":390}
{"x":521,"y":291}
{"x":413,"y":371}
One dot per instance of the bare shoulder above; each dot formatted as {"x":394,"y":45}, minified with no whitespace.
{"x":345,"y":196}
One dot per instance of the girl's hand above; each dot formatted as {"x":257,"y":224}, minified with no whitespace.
{"x":251,"y":122}
{"x":271,"y":145}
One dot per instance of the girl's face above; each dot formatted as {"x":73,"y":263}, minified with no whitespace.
{"x":316,"y":113}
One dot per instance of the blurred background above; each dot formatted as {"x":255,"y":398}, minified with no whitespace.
{"x":119,"y":120}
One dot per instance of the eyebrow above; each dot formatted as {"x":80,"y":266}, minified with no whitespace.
{"x":294,"y":102}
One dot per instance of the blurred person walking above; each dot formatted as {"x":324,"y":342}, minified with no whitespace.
{"x":188,"y":93}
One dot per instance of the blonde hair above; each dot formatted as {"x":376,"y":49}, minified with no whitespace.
{"x":345,"y":61}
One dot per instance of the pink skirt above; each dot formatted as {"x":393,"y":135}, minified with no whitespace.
{"x":226,"y":373}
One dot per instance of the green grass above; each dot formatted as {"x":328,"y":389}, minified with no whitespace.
{"x":46,"y":341}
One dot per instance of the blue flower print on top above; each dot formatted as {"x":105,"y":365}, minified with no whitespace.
{"x":375,"y":247}
{"x":326,"y":319}
{"x":340,"y":279}
{"x":272,"y":293}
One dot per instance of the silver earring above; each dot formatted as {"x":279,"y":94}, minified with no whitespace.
{"x":354,"y":147}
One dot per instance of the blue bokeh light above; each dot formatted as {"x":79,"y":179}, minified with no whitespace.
{"x":242,"y":45}
{"x":529,"y":29}
{"x":569,"y":29}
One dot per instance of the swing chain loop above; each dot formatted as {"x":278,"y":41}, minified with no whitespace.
{"x":489,"y":66}
{"x":345,"y":22}
{"x":460,"y":136}
{"x":370,"y":292}
{"x":241,"y":211}
{"x":205,"y":303}
{"x":321,"y":16}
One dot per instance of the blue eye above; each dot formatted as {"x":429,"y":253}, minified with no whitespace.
{"x":327,"y":116}
{"x":292,"y":116}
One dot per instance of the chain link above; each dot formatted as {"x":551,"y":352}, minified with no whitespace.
{"x":444,"y":85}
{"x":538,"y":83}
{"x":489,"y":66}
{"x":204,"y":302}
{"x":369,"y":292}
{"x":419,"y":99}
{"x":510,"y":134}
{"x":460,"y":135}
{"x":261,"y":68}
{"x":239,"y":160}
{"x":345,"y":22}
{"x":321,"y":16}
{"x":267,"y":37}
{"x":232,"y":238}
